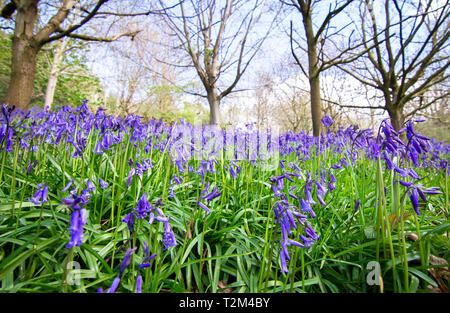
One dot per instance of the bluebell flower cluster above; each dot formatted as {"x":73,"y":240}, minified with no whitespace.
{"x":289,"y":218}
{"x":300,"y":195}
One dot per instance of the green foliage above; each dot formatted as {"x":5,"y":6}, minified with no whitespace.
{"x":74,"y":85}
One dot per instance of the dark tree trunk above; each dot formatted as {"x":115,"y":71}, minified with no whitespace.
{"x":316,"y":105}
{"x":24,"y":57}
{"x":313,"y":71}
{"x":214,"y":114}
{"x":397,"y":117}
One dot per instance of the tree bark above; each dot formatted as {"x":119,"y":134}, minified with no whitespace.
{"x":54,"y":73}
{"x":313,"y":71}
{"x":24,"y":57}
{"x":397,"y":117}
{"x":214,"y":114}
{"x":316,"y":105}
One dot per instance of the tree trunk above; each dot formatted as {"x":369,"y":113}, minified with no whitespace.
{"x":397,"y":118}
{"x":213,"y":100}
{"x":54,"y":73}
{"x":313,"y":71}
{"x":316,"y":105}
{"x":24,"y":57}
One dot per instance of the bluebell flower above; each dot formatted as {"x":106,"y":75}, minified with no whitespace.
{"x":204,"y":207}
{"x":143,"y":207}
{"x":67,"y":186}
{"x":284,"y":268}
{"x":40,"y":196}
{"x":139,"y":284}
{"x":169,"y":237}
{"x":295,"y":243}
{"x":414,"y":197}
{"x":306,"y":207}
{"x":77,"y":221}
{"x":114,"y":285}
{"x":102,"y":183}
{"x":126,"y":261}
{"x":130,"y":220}
{"x":357,"y":203}
{"x":90,"y":185}
{"x":327,"y":121}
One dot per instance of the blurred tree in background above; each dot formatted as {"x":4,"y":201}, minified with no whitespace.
{"x":75,"y":83}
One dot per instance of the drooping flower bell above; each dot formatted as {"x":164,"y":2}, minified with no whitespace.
{"x":40,"y":196}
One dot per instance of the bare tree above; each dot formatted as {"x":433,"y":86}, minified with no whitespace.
{"x":413,"y":57}
{"x":219,"y":38}
{"x":145,"y":85}
{"x":316,"y":38}
{"x":55,"y":69}
{"x":263,"y":98}
{"x":294,"y":110}
{"x":29,"y":38}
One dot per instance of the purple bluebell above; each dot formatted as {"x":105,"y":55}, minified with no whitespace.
{"x":40,"y":196}
{"x":204,"y":207}
{"x":295,"y":243}
{"x":90,"y":185}
{"x":139,"y":284}
{"x":306,"y":207}
{"x":212,"y":195}
{"x":327,"y":121}
{"x":357,"y":203}
{"x":130,"y":177}
{"x":67,"y":186}
{"x":291,"y":194}
{"x":284,"y":268}
{"x":77,"y":221}
{"x":143,"y":207}
{"x":169,"y":237}
{"x":414,"y":197}
{"x":114,"y":285}
{"x":102,"y":183}
{"x":130,"y":220}
{"x":126,"y":261}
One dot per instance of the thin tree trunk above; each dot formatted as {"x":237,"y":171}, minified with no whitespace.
{"x":316,"y":105}
{"x":24,"y":58}
{"x":54,"y":73}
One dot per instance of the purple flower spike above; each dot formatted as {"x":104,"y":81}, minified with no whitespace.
{"x":143,"y":207}
{"x":284,"y":268}
{"x":204,"y":207}
{"x":169,"y":239}
{"x":102,"y":183}
{"x":139,"y":284}
{"x":357,"y":203}
{"x":126,"y":261}
{"x":414,"y":197}
{"x":130,"y":219}
{"x":67,"y":186}
{"x":114,"y":285}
